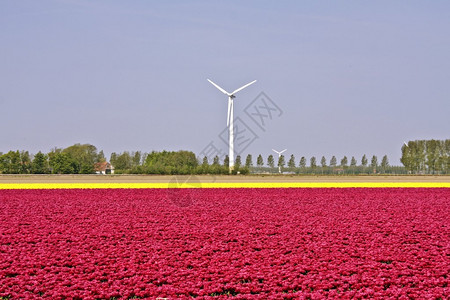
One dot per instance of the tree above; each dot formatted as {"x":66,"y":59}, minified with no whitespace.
{"x":333,"y":161}
{"x":426,"y":156}
{"x":87,"y":169}
{"x":313,"y":163}
{"x":237,"y":162}
{"x":136,"y":160}
{"x":15,"y":162}
{"x":344,"y":162}
{"x":446,"y":156}
{"x":384,"y":163}
{"x":113,"y":159}
{"x":270,"y":161}
{"x":25,"y":162}
{"x":353,"y":162}
{"x":281,"y":161}
{"x":323,"y":162}
{"x":248,"y":161}
{"x":406,"y":158}
{"x":291,"y":162}
{"x":364,"y":161}
{"x":171,"y":162}
{"x":226,"y":161}
{"x":374,"y":163}
{"x":39,"y":164}
{"x":205,"y":162}
{"x":62,"y":163}
{"x":123,"y":161}
{"x":10,"y":163}
{"x":3,"y":163}
{"x":101,"y":157}
{"x":419,"y":155}
{"x":302,"y":163}
{"x":217,"y":168}
{"x":51,"y":155}
{"x":204,"y":166}
{"x":143,"y":158}
{"x":432,"y":155}
{"x":442,"y":159}
{"x":83,"y":157}
{"x":260,"y":161}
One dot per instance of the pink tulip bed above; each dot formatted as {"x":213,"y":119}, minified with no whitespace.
{"x":278,"y":243}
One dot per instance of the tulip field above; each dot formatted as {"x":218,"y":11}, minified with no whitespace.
{"x":218,"y":243}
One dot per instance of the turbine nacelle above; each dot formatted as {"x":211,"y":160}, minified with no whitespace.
{"x":279,"y":152}
{"x":231,"y":96}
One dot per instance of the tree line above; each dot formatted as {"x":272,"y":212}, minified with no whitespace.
{"x":82,"y":159}
{"x":426,"y":156}
{"x":418,"y":157}
{"x":76,"y":159}
{"x":333,"y":166}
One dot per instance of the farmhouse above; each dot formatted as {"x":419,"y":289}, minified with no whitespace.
{"x":104,"y":168}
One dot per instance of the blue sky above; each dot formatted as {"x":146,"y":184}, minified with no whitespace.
{"x":350,"y":77}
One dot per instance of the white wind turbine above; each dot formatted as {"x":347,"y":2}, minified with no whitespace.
{"x":279,"y":154}
{"x":230,"y":118}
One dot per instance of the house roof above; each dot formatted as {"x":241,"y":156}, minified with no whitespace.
{"x":102,"y":166}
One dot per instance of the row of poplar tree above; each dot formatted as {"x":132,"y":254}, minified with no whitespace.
{"x":427,"y":156}
{"x":421,"y":157}
{"x":333,"y":166}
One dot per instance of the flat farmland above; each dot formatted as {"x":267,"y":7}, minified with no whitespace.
{"x":278,"y":243}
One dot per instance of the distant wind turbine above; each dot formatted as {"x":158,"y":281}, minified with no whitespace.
{"x":279,"y":155}
{"x":230,"y":118}
{"x":406,"y":144}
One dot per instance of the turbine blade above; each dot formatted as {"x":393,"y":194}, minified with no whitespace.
{"x":283,"y":151}
{"x":219,"y":88}
{"x":243,"y":87}
{"x":276,"y":151}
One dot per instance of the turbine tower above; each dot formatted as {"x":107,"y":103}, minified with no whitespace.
{"x":230,"y":118}
{"x":279,"y":154}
